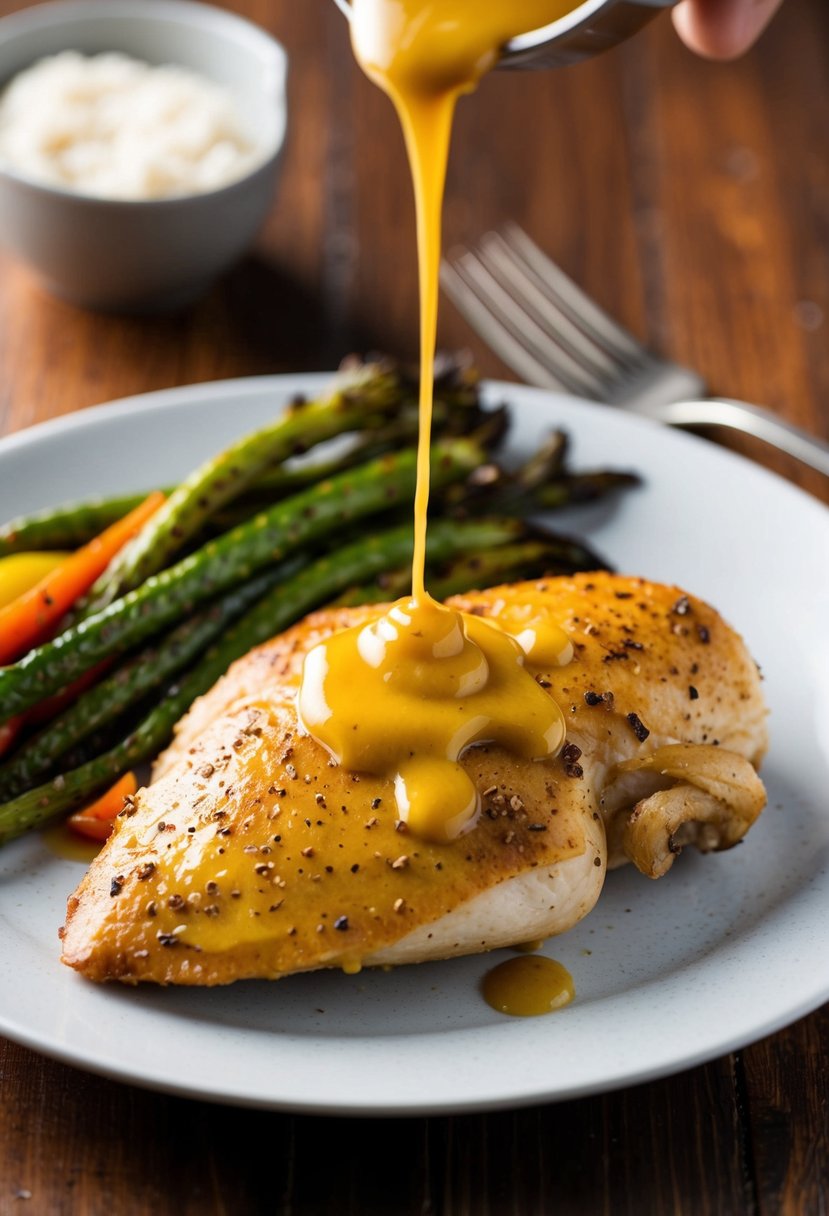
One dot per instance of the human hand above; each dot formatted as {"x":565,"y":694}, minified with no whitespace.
{"x":722,"y":29}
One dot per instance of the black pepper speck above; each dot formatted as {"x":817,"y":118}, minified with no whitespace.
{"x":638,"y":727}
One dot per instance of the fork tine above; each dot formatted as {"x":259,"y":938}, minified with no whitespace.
{"x":511,"y":271}
{"x":495,"y":334}
{"x":592,"y":319}
{"x":526,"y":347}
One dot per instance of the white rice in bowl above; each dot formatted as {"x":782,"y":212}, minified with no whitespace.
{"x":111,"y":126}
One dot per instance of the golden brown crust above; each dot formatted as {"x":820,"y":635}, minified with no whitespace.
{"x":235,"y":865}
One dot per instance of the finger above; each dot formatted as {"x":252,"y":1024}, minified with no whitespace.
{"x":722,"y":29}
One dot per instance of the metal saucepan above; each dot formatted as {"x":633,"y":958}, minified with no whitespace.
{"x":593,"y":26}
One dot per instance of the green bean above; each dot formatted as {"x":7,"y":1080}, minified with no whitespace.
{"x":287,"y":528}
{"x":518,"y":560}
{"x":279,"y":608}
{"x":111,"y":697}
{"x":65,"y":527}
{"x":356,"y":401}
{"x":578,"y":488}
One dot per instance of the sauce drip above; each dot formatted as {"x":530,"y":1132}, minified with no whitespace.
{"x":404,"y":696}
{"x":528,"y":986}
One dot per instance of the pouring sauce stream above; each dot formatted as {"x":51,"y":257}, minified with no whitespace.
{"x":405,"y":695}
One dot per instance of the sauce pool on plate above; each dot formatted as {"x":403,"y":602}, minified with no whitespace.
{"x":528,"y":986}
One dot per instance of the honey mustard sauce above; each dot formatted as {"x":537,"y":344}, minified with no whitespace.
{"x":68,"y":845}
{"x":528,"y":986}
{"x":404,"y":696}
{"x":530,"y":947}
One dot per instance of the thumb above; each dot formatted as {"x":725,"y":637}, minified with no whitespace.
{"x":722,"y":29}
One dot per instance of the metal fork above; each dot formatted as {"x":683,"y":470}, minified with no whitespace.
{"x":548,"y":331}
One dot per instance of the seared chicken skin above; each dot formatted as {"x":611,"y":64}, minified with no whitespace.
{"x":252,"y":854}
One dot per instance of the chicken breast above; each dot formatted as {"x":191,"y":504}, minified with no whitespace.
{"x":252,"y":854}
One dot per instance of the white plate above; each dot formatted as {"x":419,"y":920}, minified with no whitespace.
{"x":722,"y":951}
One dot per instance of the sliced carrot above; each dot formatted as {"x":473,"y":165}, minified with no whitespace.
{"x":91,"y":828}
{"x":9,"y":731}
{"x":24,"y":622}
{"x":95,"y":820}
{"x":49,"y":708}
{"x":44,"y":711}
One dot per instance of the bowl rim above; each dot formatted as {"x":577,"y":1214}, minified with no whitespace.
{"x":55,"y":13}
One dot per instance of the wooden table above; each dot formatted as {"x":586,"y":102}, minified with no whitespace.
{"x":693,"y":201}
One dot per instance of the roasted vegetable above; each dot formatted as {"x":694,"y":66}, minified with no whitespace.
{"x":28,"y":619}
{"x":279,"y":608}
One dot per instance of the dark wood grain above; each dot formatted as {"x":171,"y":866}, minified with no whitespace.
{"x":786,"y":1093}
{"x":82,"y":1144}
{"x":692,"y":200}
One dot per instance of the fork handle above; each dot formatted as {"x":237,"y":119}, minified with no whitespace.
{"x":725,"y":413}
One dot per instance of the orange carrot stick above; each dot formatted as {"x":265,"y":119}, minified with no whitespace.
{"x":24,"y":622}
{"x":95,"y":820}
{"x":91,"y":828}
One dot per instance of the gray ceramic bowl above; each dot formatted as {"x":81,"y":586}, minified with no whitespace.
{"x":140,"y":256}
